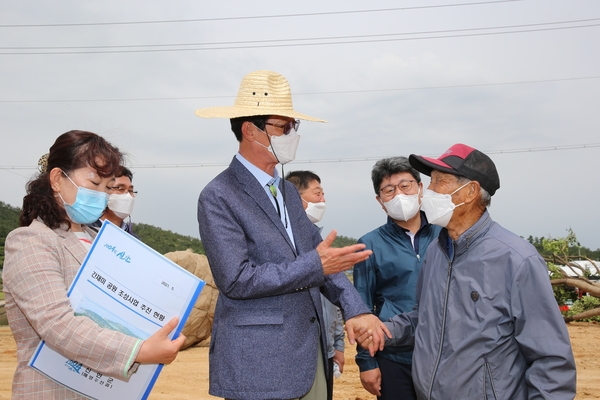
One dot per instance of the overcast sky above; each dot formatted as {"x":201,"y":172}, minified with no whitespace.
{"x":519,"y":80}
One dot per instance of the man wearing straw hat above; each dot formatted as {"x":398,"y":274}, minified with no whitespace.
{"x":268,"y":259}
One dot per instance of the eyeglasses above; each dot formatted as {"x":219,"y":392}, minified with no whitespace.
{"x":123,"y":190}
{"x":288,"y":127}
{"x":404,"y":185}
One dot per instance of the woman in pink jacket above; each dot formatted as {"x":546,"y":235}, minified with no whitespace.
{"x":42,"y":258}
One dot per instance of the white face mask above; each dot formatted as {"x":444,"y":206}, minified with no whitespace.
{"x":121,"y":204}
{"x":439,"y":207}
{"x":282,"y":147}
{"x":403,"y":207}
{"x":315,"y":211}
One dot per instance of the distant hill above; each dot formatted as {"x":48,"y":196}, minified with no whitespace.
{"x":342,"y":241}
{"x":165,"y":241}
{"x":9,"y":220}
{"x":161,"y":240}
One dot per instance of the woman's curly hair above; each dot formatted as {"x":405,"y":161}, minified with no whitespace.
{"x":70,"y":151}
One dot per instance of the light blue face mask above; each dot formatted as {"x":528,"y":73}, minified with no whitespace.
{"x":88,"y":206}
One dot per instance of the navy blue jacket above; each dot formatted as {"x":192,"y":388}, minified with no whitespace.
{"x":387,"y":280}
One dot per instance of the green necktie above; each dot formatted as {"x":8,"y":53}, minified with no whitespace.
{"x":273,"y":190}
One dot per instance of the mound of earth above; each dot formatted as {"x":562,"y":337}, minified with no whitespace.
{"x":199,"y":324}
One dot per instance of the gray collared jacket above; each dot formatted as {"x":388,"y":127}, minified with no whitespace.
{"x":486,"y":325}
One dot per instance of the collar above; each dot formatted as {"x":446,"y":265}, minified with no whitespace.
{"x":69,"y":240}
{"x":261,"y":176}
{"x":468,"y":237}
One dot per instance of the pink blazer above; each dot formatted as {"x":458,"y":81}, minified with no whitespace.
{"x":39,"y":266}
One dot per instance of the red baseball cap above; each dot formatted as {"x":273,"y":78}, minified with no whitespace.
{"x":462,"y":160}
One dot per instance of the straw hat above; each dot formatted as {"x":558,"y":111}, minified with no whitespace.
{"x":260,"y":93}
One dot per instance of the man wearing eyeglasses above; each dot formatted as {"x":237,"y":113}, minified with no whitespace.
{"x":313,"y":200}
{"x":120,"y":202}
{"x":268,"y":260}
{"x":387,"y":280}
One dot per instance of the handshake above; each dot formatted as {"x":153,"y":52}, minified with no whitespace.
{"x":368,"y":331}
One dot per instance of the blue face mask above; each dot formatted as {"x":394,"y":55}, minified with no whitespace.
{"x":88,"y":206}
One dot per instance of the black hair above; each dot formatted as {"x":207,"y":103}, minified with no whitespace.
{"x":389,"y":166}
{"x":125,"y":172}
{"x":70,"y":151}
{"x":257,"y":120}
{"x":302,"y":179}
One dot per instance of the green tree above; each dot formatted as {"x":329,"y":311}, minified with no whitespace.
{"x":343,"y":241}
{"x":164,"y":241}
{"x":574,"y":248}
{"x":565,"y":286}
{"x":9,"y":220}
{"x":161,"y":240}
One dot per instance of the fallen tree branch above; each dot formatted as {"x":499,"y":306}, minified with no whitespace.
{"x":582,"y":283}
{"x":586,"y":314}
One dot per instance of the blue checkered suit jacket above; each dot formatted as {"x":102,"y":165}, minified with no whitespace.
{"x":266,"y":332}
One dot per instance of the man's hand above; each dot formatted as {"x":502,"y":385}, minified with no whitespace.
{"x":159,"y":348}
{"x":368,"y":331}
{"x":336,"y":260}
{"x":371,"y":381}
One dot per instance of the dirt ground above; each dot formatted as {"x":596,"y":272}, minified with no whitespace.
{"x":187,"y":377}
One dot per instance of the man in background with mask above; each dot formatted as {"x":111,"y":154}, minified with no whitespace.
{"x":387,"y":280}
{"x":313,"y":199}
{"x":120,"y":202}
{"x":486,"y":324}
{"x":311,"y":192}
{"x":268,"y":260}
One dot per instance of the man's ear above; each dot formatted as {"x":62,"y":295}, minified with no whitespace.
{"x":472,"y":192}
{"x":248,"y":131}
{"x":380,"y":203}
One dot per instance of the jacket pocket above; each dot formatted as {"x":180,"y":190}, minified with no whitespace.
{"x":258,"y":317}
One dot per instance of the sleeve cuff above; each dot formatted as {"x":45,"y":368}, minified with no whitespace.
{"x":131,"y":367}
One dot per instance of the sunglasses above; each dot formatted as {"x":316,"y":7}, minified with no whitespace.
{"x":288,"y":127}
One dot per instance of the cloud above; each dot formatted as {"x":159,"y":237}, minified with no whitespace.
{"x":505,"y":92}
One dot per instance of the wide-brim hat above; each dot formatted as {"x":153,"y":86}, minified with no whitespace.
{"x":462,"y":160}
{"x":260,"y":93}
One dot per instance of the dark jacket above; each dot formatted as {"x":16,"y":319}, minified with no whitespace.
{"x":387,"y":281}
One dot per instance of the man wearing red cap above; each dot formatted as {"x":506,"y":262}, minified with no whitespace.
{"x":486,"y":325}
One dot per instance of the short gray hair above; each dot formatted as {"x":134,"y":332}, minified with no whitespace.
{"x":485,"y":198}
{"x":387,"y":167}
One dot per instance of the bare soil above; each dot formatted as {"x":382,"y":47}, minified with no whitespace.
{"x":187,"y":377}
